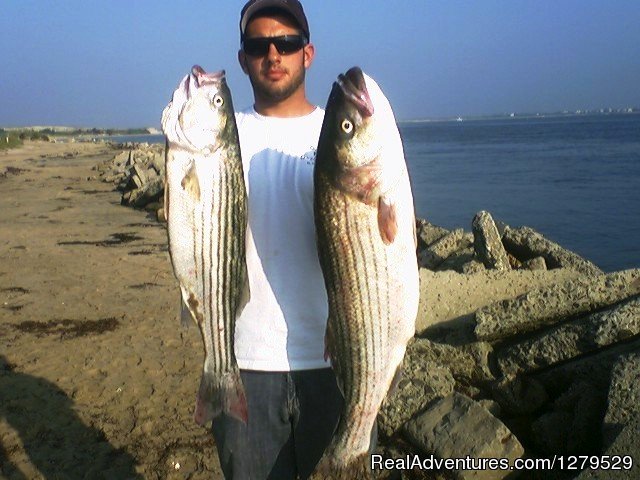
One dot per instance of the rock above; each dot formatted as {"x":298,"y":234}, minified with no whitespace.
{"x":429,"y":371}
{"x":457,"y":260}
{"x":622,"y":456}
{"x":468,"y":363}
{"x":514,"y":262}
{"x":525,"y":243}
{"x":473,"y":266}
{"x":457,"y":427}
{"x":487,"y":243}
{"x":552,"y":304}
{"x":160,"y":215}
{"x":419,"y":387}
{"x":492,"y":406}
{"x":150,"y":192}
{"x":623,"y":402}
{"x":448,"y":299}
{"x":428,"y":233}
{"x":551,"y":431}
{"x":440,"y":250}
{"x":152,"y":207}
{"x":537,"y":263}
{"x":520,"y":395}
{"x":573,"y":427}
{"x":139,"y":175}
{"x":595,"y":368}
{"x":572,"y":339}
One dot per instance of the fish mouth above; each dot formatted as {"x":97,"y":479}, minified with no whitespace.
{"x":354,"y":87}
{"x":203,"y":78}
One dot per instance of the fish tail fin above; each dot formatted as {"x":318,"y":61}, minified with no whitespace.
{"x":218,"y":394}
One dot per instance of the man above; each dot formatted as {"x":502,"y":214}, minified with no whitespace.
{"x":293,"y":400}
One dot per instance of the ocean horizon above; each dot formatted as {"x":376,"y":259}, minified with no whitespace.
{"x":573,"y":178}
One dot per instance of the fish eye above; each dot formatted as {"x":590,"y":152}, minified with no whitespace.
{"x":218,"y":101}
{"x":347,"y":126}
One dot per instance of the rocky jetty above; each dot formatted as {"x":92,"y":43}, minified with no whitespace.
{"x":546,"y":362}
{"x":138,"y":172}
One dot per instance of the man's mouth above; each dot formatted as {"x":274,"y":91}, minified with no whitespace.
{"x":275,"y":74}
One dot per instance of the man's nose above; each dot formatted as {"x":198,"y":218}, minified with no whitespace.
{"x":273,"y":55}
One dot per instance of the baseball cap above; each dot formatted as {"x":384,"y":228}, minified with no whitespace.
{"x":292,"y":7}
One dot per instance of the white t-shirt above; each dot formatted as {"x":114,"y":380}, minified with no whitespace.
{"x":282,"y":327}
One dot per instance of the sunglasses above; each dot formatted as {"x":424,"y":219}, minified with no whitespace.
{"x":285,"y":44}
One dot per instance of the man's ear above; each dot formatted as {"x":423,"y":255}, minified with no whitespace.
{"x":242,"y":59}
{"x":309,"y":54}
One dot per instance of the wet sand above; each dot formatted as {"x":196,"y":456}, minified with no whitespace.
{"x":97,"y":377}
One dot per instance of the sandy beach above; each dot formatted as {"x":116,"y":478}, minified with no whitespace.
{"x":97,"y":377}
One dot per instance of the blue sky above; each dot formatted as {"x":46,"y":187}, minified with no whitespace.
{"x":115,"y":64}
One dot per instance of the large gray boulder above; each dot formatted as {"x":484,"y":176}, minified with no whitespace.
{"x":525,"y":244}
{"x":421,"y":385}
{"x":571,"y":339}
{"x":623,"y":402}
{"x":487,"y":242}
{"x":546,"y":306}
{"x":449,"y":300}
{"x":622,"y":457}
{"x":458,"y":427}
{"x":440,"y":250}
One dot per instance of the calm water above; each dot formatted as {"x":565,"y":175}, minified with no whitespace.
{"x":574,"y":179}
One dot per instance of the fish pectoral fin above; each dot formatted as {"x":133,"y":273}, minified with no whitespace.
{"x":190,"y":183}
{"x":387,"y":220}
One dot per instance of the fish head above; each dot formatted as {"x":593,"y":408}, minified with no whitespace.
{"x":359,"y":136}
{"x":198,"y":115}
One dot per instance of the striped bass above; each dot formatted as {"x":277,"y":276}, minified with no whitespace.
{"x":365,"y":225}
{"x":206,"y":209}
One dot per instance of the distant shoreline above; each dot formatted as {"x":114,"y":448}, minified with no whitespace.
{"x":92,"y":132}
{"x":522,"y":116}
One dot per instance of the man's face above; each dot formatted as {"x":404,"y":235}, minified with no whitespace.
{"x":275,"y":76}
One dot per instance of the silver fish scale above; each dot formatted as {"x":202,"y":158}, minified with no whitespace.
{"x":207,"y":247}
{"x":370,"y":310}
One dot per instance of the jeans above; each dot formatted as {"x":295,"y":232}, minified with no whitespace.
{"x":292,"y":417}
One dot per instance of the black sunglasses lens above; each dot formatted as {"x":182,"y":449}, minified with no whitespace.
{"x":258,"y":47}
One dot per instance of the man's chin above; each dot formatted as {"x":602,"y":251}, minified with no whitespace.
{"x":276,"y":92}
